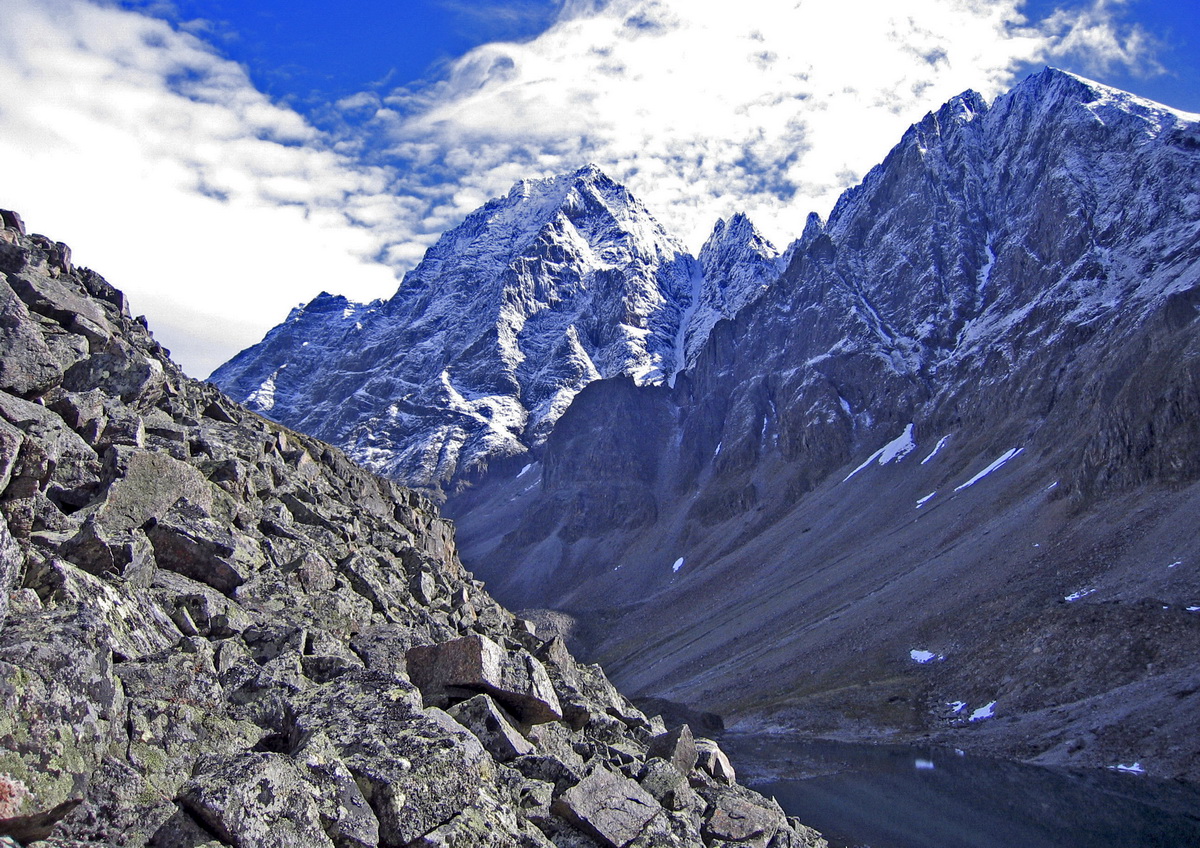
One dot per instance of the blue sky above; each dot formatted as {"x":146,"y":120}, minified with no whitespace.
{"x":223,"y":161}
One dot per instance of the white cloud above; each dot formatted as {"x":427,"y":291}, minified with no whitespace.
{"x":167,"y":171}
{"x":704,"y":109}
{"x":217,"y":210}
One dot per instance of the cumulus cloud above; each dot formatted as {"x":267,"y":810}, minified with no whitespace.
{"x":167,"y":171}
{"x":218,"y":210}
{"x":769,"y":107}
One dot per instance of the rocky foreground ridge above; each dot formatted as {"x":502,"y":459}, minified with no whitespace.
{"x":215,"y":631}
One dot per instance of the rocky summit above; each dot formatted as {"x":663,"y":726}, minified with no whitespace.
{"x":469,"y":366}
{"x":216,"y":631}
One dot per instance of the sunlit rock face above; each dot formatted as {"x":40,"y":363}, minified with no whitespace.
{"x":485,"y":344}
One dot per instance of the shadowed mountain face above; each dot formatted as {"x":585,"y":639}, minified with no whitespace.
{"x":973,"y":394}
{"x":941,"y":468}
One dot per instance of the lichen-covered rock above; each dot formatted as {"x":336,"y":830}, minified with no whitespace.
{"x":476,"y":663}
{"x":611,"y":808}
{"x":416,"y":767}
{"x":256,"y":799}
{"x":218,"y":633}
{"x":60,"y":706}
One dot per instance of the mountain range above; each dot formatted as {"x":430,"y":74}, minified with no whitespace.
{"x":930,"y":473}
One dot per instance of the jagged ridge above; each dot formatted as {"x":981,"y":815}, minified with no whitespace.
{"x":486,"y":342}
{"x":1015,"y":282}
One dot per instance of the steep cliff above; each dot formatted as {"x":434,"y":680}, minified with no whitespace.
{"x":215,"y":631}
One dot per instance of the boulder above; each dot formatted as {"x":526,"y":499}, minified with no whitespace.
{"x":712,"y":761}
{"x":676,"y":747}
{"x":132,"y":376}
{"x":12,"y":561}
{"x":52,"y":458}
{"x":59,"y":299}
{"x":27,"y":366}
{"x":59,"y":705}
{"x":259,"y":799}
{"x":416,"y":768}
{"x":148,"y":485}
{"x":345,"y":814}
{"x":732,"y":817}
{"x":189,"y":542}
{"x":491,"y":726}
{"x":11,"y":220}
{"x":608,"y":807}
{"x":120,"y":554}
{"x":477,"y":664}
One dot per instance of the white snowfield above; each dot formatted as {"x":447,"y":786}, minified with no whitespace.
{"x":996,"y":464}
{"x":893,"y":451}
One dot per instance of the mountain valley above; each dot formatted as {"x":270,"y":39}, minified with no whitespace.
{"x":927,"y":474}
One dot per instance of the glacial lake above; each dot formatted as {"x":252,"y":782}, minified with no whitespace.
{"x":910,"y":797}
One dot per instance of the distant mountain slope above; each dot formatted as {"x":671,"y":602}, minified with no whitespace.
{"x":973,"y":394}
{"x":486,"y":342}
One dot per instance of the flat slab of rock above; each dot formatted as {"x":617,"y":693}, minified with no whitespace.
{"x":514,"y":678}
{"x":609,"y":807}
{"x":735,"y":819}
{"x":260,"y":799}
{"x":151,"y":484}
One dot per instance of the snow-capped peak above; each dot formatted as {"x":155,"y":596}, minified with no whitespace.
{"x":738,"y":263}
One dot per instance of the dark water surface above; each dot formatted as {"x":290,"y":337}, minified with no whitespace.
{"x":908,"y":797}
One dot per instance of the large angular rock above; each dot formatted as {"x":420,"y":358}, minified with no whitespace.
{"x":712,"y":761}
{"x":477,"y":664}
{"x":62,"y":300}
{"x":189,"y":542}
{"x":59,"y":704}
{"x":150,"y":483}
{"x":733,"y":817}
{"x":416,"y":768}
{"x":610,"y":808}
{"x":256,"y":799}
{"x":99,"y":552}
{"x":345,"y":814}
{"x":12,"y":561}
{"x":677,"y":747}
{"x":27,"y":367}
{"x":52,"y":457}
{"x":491,"y":726}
